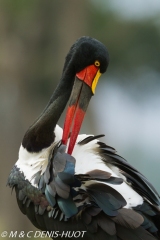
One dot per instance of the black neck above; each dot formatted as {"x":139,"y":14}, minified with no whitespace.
{"x":41,"y":134}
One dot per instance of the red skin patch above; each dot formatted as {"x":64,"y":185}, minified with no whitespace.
{"x":87,"y":74}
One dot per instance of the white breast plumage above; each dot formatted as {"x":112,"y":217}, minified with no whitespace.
{"x":87,"y":159}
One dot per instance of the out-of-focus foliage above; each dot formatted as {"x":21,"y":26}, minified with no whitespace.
{"x":132,"y":44}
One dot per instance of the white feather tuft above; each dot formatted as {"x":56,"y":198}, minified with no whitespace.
{"x":87,"y":159}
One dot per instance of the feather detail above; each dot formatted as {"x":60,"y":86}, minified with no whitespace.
{"x":89,"y":139}
{"x":128,"y":218}
{"x":134,"y":234}
{"x":93,"y":199}
{"x":62,"y":189}
{"x":108,"y":199}
{"x":107,"y":224}
{"x":67,"y":206}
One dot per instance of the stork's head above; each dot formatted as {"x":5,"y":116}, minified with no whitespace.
{"x":85,"y":62}
{"x":84,"y":52}
{"x":88,"y":59}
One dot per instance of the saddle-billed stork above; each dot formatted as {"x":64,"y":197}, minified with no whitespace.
{"x":70,"y":182}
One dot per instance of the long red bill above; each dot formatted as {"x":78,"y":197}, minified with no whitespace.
{"x":83,"y":89}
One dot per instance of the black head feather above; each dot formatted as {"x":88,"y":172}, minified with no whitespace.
{"x":84,"y":52}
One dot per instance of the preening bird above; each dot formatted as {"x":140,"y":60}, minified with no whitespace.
{"x":69,"y":182}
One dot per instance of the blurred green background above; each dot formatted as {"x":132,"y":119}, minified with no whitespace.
{"x":35,"y":37}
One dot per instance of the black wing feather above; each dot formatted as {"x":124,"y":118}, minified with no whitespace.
{"x":139,"y":182}
{"x":65,"y":201}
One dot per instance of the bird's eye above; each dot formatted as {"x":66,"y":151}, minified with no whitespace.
{"x":97,"y":63}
